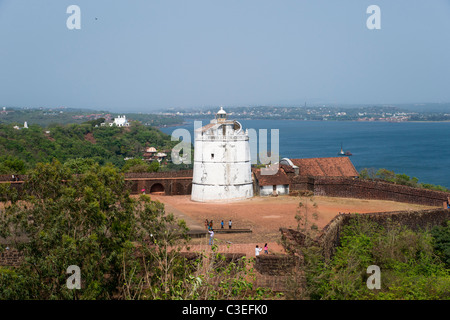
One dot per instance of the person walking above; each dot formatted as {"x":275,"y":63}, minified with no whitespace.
{"x":211,"y":225}
{"x":266,"y":249}
{"x":229,"y":224}
{"x":257,"y":250}
{"x":221,"y":225}
{"x":211,"y":237}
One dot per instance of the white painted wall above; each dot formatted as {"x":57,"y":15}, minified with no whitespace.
{"x":217,"y":193}
{"x":283,"y":189}
{"x":265,"y":191}
{"x":222,"y":166}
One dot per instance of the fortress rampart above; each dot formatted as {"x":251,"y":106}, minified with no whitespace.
{"x":164,"y":183}
{"x":377,"y":190}
{"x":180,"y":183}
{"x":277,"y":266}
{"x":329,"y":238}
{"x":346,"y":187}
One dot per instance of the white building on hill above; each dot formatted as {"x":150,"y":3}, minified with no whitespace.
{"x":222,"y":166}
{"x":120,"y":121}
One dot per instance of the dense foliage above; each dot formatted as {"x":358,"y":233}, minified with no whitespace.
{"x":441,"y":235}
{"x":48,"y":116}
{"x":397,"y":178}
{"x":413,"y":264}
{"x":125,"y":247}
{"x":27,"y":147}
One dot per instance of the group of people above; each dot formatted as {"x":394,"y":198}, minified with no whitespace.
{"x":209,"y":224}
{"x":258,"y":250}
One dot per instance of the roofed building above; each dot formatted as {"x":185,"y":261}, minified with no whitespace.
{"x":320,"y":167}
{"x":300,"y":174}
{"x":151,"y":150}
{"x":160,"y":156}
{"x":120,"y":121}
{"x":275,"y":184}
{"x":149,"y":153}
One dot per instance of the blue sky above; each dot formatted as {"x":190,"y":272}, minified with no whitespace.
{"x":143,"y":55}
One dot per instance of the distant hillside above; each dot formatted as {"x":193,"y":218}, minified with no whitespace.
{"x":426,"y":107}
{"x":22,"y":149}
{"x":384,"y":112}
{"x":47,"y":116}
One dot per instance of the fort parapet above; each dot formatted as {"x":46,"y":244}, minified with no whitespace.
{"x":163,"y":183}
{"x":180,"y":183}
{"x":377,"y":190}
{"x":329,"y":237}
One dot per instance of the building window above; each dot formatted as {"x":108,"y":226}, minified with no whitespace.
{"x":212,"y":156}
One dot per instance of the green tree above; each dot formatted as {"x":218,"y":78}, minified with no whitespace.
{"x":125,"y":247}
{"x":84,"y":220}
{"x":79,"y":165}
{"x":367,"y":173}
{"x":23,"y":149}
{"x":139,"y":165}
{"x":12,"y":165}
{"x":135,"y":165}
{"x":154,"y":166}
{"x":441,"y":242}
{"x":385,"y":174}
{"x":95,"y":122}
{"x":402,"y":179}
{"x":410,"y":268}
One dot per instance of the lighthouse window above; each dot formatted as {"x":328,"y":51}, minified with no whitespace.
{"x":212,"y":155}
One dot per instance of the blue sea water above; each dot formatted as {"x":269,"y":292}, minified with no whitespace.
{"x":418,"y":149}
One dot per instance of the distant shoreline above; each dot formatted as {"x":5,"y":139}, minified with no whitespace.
{"x":430,"y":121}
{"x":246,"y":119}
{"x":171,"y":125}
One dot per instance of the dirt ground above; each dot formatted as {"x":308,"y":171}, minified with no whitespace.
{"x":265,"y":215}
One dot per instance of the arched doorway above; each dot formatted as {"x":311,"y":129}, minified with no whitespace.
{"x":157,"y":188}
{"x":178,"y":189}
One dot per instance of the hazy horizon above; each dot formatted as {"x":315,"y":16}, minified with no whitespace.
{"x":143,"y":56}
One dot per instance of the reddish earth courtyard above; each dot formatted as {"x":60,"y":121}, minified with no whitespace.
{"x":265,"y":216}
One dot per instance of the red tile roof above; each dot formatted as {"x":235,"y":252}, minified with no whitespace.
{"x":287,"y":168}
{"x":280,"y":178}
{"x":328,"y":167}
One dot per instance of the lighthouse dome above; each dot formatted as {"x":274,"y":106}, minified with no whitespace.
{"x":221,"y":115}
{"x":221,"y":111}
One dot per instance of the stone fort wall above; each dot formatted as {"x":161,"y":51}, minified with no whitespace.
{"x":180,"y":183}
{"x":367,"y":189}
{"x":329,"y":238}
{"x":162,"y":174}
{"x":166,"y":183}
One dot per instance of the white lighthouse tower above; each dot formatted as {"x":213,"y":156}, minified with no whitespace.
{"x":222,"y":166}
